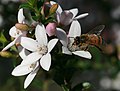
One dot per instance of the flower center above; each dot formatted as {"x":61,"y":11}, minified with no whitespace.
{"x":32,"y":66}
{"x":73,"y":48}
{"x":42,"y":49}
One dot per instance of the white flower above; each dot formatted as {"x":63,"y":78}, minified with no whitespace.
{"x":40,"y":55}
{"x":16,"y":33}
{"x":40,"y":48}
{"x":67,"y":16}
{"x":75,"y":30}
{"x":30,"y":69}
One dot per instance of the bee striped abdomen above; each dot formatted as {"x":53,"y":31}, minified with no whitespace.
{"x":95,"y":40}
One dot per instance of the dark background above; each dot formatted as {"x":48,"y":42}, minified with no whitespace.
{"x":102,"y":71}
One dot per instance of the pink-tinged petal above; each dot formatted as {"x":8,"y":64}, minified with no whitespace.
{"x":66,"y":51}
{"x":29,"y":43}
{"x":74,"y":12}
{"x":21,"y":17}
{"x":59,"y":9}
{"x":51,"y":29}
{"x":66,"y":18}
{"x":61,"y":34}
{"x":9,"y":45}
{"x":23,"y":52}
{"x":21,"y":70}
{"x":30,"y":78}
{"x":75,"y":29}
{"x":84,"y":54}
{"x":31,"y":58}
{"x":51,"y":44}
{"x":45,"y":62}
{"x":40,"y":34}
{"x":58,"y":17}
{"x":81,"y":16}
{"x":70,"y":41}
{"x":24,"y":33}
{"x":14,"y":32}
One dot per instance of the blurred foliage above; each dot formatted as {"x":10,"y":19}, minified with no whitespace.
{"x":75,"y":71}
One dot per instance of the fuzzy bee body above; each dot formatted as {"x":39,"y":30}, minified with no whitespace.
{"x":90,"y":39}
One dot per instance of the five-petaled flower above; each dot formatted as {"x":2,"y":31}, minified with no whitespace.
{"x":17,"y":33}
{"x":67,"y":40}
{"x":40,"y":55}
{"x":67,"y":16}
{"x":40,"y":48}
{"x":30,"y":69}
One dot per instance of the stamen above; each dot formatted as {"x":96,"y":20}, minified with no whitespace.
{"x":32,"y":66}
{"x":42,"y":49}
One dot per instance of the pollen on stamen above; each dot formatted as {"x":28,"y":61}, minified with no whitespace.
{"x":42,"y":49}
{"x":32,"y":65}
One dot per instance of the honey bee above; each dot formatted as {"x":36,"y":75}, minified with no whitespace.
{"x":92,"y":38}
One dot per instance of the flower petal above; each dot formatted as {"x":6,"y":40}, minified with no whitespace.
{"x":51,"y":44}
{"x":84,"y":54}
{"x":81,"y":16}
{"x":74,"y":12}
{"x":23,"y":52}
{"x":66,"y":17}
{"x":40,"y":34}
{"x":9,"y":45}
{"x":14,"y":32}
{"x":66,"y":51}
{"x":58,"y":17}
{"x":30,"y":77}
{"x":75,"y":29}
{"x":29,"y":43}
{"x":21,"y":17}
{"x":61,"y":34}
{"x":21,"y":70}
{"x":31,"y":58}
{"x":45,"y":62}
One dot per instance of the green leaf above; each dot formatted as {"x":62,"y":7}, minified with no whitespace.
{"x":26,"y":5}
{"x":50,"y":19}
{"x":40,"y":3}
{"x":2,"y":38}
{"x":13,"y":48}
{"x":32,"y":2}
{"x":36,"y":18}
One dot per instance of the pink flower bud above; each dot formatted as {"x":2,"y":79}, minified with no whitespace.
{"x":51,"y":29}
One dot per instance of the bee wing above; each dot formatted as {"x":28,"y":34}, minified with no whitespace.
{"x":97,"y":30}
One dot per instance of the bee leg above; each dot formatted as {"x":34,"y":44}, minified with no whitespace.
{"x":100,"y":48}
{"x":86,"y":48}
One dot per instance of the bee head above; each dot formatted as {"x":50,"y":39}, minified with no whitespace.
{"x":82,"y":39}
{"x":77,"y":40}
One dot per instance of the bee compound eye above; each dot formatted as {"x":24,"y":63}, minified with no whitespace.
{"x":82,"y":39}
